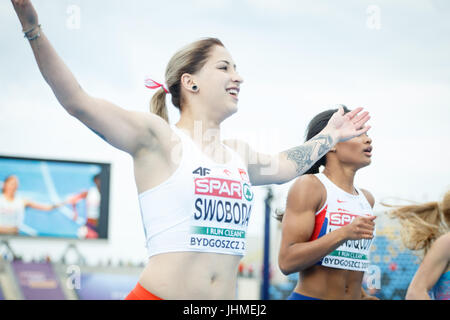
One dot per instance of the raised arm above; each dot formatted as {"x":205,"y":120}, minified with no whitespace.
{"x":297,"y":252}
{"x":126,"y":130}
{"x":289,"y":164}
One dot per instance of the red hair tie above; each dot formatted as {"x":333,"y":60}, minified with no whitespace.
{"x":152,"y":84}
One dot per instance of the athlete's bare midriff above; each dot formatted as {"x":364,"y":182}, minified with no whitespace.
{"x":329,"y":283}
{"x":191,"y":275}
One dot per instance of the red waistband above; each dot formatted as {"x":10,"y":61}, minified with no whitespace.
{"x":140,"y":293}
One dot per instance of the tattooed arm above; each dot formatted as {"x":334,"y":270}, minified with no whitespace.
{"x":304,"y":156}
{"x":284,"y":166}
{"x":289,"y":164}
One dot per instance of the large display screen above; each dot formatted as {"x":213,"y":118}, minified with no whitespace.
{"x":54,"y":198}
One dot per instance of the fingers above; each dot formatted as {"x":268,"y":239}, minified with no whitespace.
{"x":366,"y":233}
{"x":362,"y":130}
{"x":361,"y":118}
{"x":354,"y":112}
{"x":363,"y":233}
{"x":360,"y":122}
{"x":365,"y":227}
{"x":368,"y":222}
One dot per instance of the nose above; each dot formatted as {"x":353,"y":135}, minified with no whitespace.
{"x":237,"y":78}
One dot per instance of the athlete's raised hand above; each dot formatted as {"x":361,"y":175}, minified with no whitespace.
{"x":349,"y":125}
{"x":27,"y":14}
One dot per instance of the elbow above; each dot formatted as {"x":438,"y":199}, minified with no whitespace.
{"x":282,"y":265}
{"x":72,"y":107}
{"x":286,"y":267}
{"x":70,"y":110}
{"x":75,"y":102}
{"x":284,"y":270}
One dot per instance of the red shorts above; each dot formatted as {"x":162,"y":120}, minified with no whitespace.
{"x":140,"y":293}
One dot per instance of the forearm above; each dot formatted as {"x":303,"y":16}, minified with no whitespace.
{"x":56,"y":73}
{"x":304,"y":156}
{"x":301,"y":256}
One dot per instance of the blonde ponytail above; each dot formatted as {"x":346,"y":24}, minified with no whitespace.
{"x":421,"y":224}
{"x":158,"y":104}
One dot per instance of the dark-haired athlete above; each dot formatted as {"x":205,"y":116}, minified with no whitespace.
{"x":328,"y":225}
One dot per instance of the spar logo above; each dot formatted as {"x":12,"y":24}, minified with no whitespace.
{"x":219,"y":188}
{"x":248,"y":194}
{"x":341,"y":218}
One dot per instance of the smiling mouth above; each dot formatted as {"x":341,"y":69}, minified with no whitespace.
{"x":234,"y":92}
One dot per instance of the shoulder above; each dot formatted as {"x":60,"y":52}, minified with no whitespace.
{"x":439,"y":252}
{"x":155,"y":134}
{"x":307,"y":182}
{"x":368,"y":196}
{"x":149,"y":123}
{"x":442,"y":244}
{"x":157,"y":126}
{"x":307,"y":191}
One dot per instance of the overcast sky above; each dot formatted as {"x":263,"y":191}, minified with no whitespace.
{"x":297,"y":58}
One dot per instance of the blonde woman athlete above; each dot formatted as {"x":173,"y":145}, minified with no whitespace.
{"x":195,"y":197}
{"x":426,"y":228}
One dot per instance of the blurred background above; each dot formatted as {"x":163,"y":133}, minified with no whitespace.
{"x":297,"y":59}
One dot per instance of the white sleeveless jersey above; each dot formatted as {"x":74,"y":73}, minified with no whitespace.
{"x":204,"y":206}
{"x":11,"y":212}
{"x":339,"y":210}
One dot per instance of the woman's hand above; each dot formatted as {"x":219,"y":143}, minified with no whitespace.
{"x":27,"y":14}
{"x":349,"y":125}
{"x":360,"y":228}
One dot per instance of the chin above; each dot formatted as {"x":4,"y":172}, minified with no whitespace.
{"x":229,"y":112}
{"x":233,"y":110}
{"x":365,"y":163}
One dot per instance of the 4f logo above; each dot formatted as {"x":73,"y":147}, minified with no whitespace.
{"x":201,"y":171}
